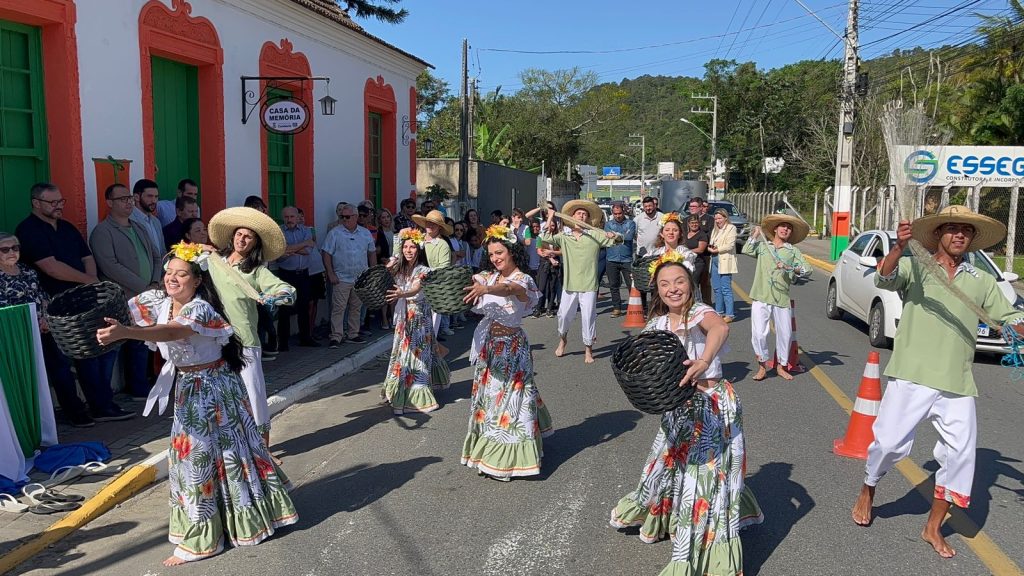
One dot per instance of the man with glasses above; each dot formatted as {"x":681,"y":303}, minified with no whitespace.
{"x":57,"y":251}
{"x":293,"y":268}
{"x":125,"y":257}
{"x":403,"y":219}
{"x":620,"y":256}
{"x":699,"y":207}
{"x":348,"y":250}
{"x":146,"y":196}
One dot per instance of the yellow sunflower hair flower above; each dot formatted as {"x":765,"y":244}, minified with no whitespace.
{"x":187,"y":251}
{"x":414,"y":235}
{"x":670,"y":216}
{"x":668,"y":256}
{"x":500,"y":233}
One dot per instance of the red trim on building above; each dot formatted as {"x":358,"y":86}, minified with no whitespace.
{"x":380,"y":98}
{"x":56,"y":20}
{"x":412,"y":128}
{"x":281,"y":61}
{"x":176,"y":35}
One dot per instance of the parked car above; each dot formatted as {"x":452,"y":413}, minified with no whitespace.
{"x":851,"y":289}
{"x":737,"y":218}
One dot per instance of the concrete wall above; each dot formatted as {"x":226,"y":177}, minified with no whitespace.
{"x":110,"y":76}
{"x":491,"y":186}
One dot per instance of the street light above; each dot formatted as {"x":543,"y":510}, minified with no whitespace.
{"x":428,"y":144}
{"x":711,"y":184}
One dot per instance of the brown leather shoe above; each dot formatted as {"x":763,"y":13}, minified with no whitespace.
{"x":616,"y":313}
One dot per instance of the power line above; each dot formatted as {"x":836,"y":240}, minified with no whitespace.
{"x":962,"y":6}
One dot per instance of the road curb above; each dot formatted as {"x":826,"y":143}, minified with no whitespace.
{"x":154,"y":469}
{"x":826,"y":266}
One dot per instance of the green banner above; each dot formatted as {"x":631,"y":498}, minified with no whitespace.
{"x":18,"y":371}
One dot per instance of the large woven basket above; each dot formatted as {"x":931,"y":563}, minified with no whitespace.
{"x":75,"y":315}
{"x":648,"y":367}
{"x":445,"y":289}
{"x":372,"y":285}
{"x":642,"y":273}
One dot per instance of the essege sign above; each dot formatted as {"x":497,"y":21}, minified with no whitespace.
{"x":995,"y":166}
{"x":285,"y":116}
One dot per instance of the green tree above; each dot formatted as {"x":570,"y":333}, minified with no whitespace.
{"x":379,"y":9}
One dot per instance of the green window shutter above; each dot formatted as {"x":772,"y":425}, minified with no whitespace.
{"x":24,"y":151}
{"x":280,"y":167}
{"x":175,"y":124}
{"x":376,"y":169}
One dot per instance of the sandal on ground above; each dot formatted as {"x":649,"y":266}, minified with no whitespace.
{"x":64,"y":474}
{"x":9,"y":503}
{"x":39,"y":494}
{"x":54,"y":507}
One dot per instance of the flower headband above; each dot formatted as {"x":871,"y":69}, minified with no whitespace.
{"x":668,"y":256}
{"x":412,"y":234}
{"x":191,"y":253}
{"x":498,"y":232}
{"x":669,"y":217}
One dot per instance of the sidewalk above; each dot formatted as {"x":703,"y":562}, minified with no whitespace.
{"x":134,"y":441}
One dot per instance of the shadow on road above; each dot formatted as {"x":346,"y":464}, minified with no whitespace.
{"x":568,"y":442}
{"x":358,"y":422}
{"x":824,"y":357}
{"x":352,"y":489}
{"x":784,"y":503}
{"x":58,"y":556}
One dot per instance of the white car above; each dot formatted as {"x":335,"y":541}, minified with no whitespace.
{"x":851,"y":289}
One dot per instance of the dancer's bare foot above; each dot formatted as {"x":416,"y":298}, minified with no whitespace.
{"x":938,"y":543}
{"x":560,"y":350}
{"x":862,"y":509}
{"x":588,"y":354}
{"x":761,"y":372}
{"x":781,"y":371}
{"x":173,"y":561}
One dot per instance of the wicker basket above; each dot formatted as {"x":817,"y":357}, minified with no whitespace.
{"x":642,"y":273}
{"x":372,"y":286}
{"x":444,"y":289}
{"x":648,"y":367}
{"x":76,"y":314}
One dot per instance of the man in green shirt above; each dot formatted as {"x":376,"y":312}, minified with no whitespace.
{"x":779,"y":262}
{"x":930,"y":369}
{"x":580,"y":250}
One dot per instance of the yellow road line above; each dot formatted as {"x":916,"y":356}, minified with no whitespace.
{"x":826,"y":266}
{"x":990,"y":554}
{"x":120,"y":489}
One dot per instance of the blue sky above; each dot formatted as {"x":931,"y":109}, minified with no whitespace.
{"x":660,"y":37}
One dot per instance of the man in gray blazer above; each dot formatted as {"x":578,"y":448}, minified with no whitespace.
{"x":125,"y":256}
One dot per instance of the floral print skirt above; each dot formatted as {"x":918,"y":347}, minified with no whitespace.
{"x":222,"y":478}
{"x":692,"y":487}
{"x":508,"y":418}
{"x":415,"y":369}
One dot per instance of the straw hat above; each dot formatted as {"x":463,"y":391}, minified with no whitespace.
{"x":800,"y":228}
{"x":987,"y":231}
{"x":224,"y":223}
{"x":433,"y":217}
{"x":595,"y":212}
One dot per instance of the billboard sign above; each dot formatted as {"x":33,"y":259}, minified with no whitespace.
{"x":611,"y":172}
{"x":990,"y":166}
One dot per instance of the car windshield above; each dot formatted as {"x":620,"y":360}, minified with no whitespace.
{"x":975,"y":258}
{"x":730,"y":208}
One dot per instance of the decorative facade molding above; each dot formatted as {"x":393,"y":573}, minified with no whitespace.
{"x":379,"y":97}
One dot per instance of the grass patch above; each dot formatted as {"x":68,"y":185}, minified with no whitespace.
{"x":1018,"y":264}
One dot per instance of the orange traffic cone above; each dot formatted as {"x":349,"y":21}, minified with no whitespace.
{"x":858,"y":433}
{"x":635,"y":311}
{"x":793,"y":365}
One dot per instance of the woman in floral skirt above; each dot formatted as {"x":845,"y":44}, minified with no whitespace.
{"x":692,"y":486}
{"x":221,"y":475}
{"x":416,"y":361}
{"x":508,"y":418}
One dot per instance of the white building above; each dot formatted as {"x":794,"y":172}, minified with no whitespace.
{"x":157,"y":87}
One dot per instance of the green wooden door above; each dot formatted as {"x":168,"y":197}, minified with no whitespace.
{"x":175,"y":124}
{"x":24,"y":158}
{"x":280,"y":168}
{"x":376,"y":169}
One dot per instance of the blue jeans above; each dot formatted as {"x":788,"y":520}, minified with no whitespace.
{"x":721,"y":284}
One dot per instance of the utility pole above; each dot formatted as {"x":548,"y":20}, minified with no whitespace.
{"x":471,"y":120}
{"x":643,"y":160}
{"x":842,"y":190}
{"x":714,"y":136}
{"x":464,"y":131}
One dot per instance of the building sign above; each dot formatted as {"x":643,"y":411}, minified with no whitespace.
{"x":611,"y":172}
{"x":990,"y":166}
{"x":285,"y":116}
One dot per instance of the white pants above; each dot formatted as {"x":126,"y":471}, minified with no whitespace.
{"x":256,"y":385}
{"x":783,"y":319}
{"x":587,"y":302}
{"x":904,"y":405}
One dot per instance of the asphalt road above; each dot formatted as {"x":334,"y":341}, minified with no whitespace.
{"x":385,"y":495}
